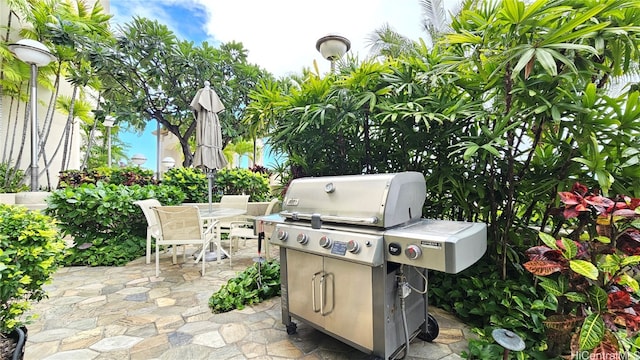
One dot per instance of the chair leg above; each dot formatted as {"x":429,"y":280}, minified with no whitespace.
{"x":157,"y":260}
{"x":148,"y":259}
{"x":203,"y":260}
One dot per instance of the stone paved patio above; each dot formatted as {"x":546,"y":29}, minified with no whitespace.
{"x":128,"y":313}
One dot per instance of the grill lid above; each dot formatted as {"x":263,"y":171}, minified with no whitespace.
{"x":380,"y":200}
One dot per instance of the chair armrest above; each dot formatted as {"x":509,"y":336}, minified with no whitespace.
{"x":210,"y":227}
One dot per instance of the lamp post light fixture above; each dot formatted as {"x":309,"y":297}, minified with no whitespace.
{"x":108,"y":123}
{"x":35,"y":54}
{"x":332,"y":47}
{"x":139,"y":159}
{"x":168,"y":162}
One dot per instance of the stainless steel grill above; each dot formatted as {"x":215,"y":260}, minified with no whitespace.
{"x":354,"y":256}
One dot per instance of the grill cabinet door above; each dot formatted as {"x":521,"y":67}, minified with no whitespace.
{"x":304,"y":272}
{"x":348,"y":301}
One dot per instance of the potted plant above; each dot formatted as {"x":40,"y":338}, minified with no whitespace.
{"x":590,"y":275}
{"x":30,"y":250}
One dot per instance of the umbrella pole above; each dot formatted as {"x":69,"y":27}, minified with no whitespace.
{"x":210,"y":185}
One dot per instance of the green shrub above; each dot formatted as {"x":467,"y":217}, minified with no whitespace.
{"x":257,"y":283}
{"x":30,"y":250}
{"x":10,"y":181}
{"x":192,"y":182}
{"x":130,"y":175}
{"x":483,"y":300}
{"x":107,"y":227}
{"x":243,"y":181}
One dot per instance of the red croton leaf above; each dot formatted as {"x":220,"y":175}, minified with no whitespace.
{"x":607,"y":348}
{"x":629,"y":319}
{"x":600,"y":203}
{"x":629,"y":242}
{"x":542,"y":267}
{"x":618,"y":300}
{"x":579,"y":189}
{"x":537,"y":252}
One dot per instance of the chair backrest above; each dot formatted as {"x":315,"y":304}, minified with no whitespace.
{"x":179,"y":222}
{"x":234,"y":201}
{"x":146,"y":206}
{"x":271,"y":206}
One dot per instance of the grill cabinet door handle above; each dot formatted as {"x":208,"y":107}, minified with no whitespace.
{"x":313,"y":292}
{"x":323,"y":287}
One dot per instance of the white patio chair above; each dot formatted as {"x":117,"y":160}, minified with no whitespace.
{"x":245,"y":229}
{"x":182,"y":225}
{"x":152,"y":222}
{"x":232,"y":202}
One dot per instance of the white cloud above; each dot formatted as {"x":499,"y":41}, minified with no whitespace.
{"x":280,"y":35}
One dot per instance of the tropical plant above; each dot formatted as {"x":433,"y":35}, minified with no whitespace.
{"x":151,"y":75}
{"x":191,"y":181}
{"x":194,"y":184}
{"x":30,"y":250}
{"x":107,"y":228}
{"x":130,"y":175}
{"x":243,"y":181}
{"x":256,"y":283}
{"x":591,"y":273}
{"x":11,"y":179}
{"x":66,"y":34}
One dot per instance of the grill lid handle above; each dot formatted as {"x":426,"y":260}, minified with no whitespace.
{"x":330,"y":218}
{"x":316,"y":221}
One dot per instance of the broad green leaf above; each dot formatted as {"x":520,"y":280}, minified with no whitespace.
{"x":584,"y":268}
{"x":591,"y":332}
{"x":630,"y":260}
{"x":609,"y":264}
{"x":576,"y":297}
{"x":627,"y":280}
{"x":570,"y":248}
{"x":548,"y":240}
{"x":551,"y":286}
{"x":598,"y":298}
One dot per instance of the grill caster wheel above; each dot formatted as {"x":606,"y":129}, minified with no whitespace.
{"x":292,"y":329}
{"x":432,"y":330}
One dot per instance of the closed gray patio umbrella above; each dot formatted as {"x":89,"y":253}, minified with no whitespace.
{"x":209,"y":156}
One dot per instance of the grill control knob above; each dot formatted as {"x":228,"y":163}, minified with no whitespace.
{"x":413,"y":252}
{"x":282,"y":235}
{"x":353,"y":246}
{"x":303,"y":239}
{"x":325,"y":242}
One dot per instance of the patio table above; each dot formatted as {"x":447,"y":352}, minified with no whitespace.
{"x":217,"y":214}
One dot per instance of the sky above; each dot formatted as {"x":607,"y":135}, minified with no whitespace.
{"x":279,"y":35}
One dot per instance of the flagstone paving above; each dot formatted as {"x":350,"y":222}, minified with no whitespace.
{"x":127,"y":313}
